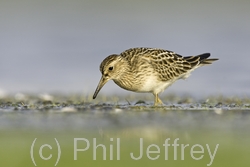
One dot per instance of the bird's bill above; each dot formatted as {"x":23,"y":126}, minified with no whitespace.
{"x":102,"y":82}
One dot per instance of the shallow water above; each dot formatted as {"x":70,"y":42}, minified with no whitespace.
{"x":222,"y":121}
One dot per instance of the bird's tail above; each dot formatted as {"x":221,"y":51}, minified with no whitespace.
{"x":200,"y":60}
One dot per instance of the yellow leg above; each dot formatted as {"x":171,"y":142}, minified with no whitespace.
{"x":157,"y":100}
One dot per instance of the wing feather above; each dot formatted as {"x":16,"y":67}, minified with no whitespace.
{"x":166,"y":64}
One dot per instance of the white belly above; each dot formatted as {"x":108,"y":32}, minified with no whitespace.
{"x":153,"y":85}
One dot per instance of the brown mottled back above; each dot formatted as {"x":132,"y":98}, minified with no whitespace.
{"x":166,"y":64}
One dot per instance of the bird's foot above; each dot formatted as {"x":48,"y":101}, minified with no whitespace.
{"x":158,"y":102}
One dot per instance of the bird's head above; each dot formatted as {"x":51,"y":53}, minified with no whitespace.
{"x":111,"y":68}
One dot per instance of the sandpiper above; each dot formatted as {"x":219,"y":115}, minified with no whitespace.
{"x":148,"y":69}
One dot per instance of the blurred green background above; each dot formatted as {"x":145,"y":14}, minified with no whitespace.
{"x":224,"y":123}
{"x":15,"y":149}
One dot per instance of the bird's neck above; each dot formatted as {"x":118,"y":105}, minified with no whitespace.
{"x":127,"y":79}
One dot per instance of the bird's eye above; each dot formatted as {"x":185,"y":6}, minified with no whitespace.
{"x":110,"y":68}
